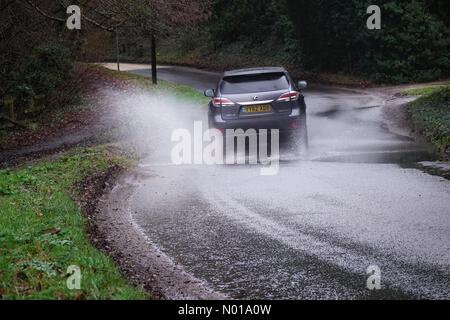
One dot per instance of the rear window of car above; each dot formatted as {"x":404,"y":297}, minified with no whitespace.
{"x":254,"y":83}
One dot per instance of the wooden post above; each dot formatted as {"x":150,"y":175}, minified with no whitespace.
{"x":154,"y":71}
{"x":117,"y":50}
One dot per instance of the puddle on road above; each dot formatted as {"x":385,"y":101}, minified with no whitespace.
{"x":343,"y":128}
{"x":350,"y":131}
{"x":433,"y":168}
{"x":400,"y":157}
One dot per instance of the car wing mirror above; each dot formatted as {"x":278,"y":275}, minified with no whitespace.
{"x":302,"y":85}
{"x":210,"y":93}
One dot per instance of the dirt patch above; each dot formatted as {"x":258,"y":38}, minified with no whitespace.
{"x":396,"y":115}
{"x":395,"y":109}
{"x":104,"y":200}
{"x":53,"y":148}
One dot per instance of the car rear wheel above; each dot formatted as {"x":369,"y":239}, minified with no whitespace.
{"x":299,"y":138}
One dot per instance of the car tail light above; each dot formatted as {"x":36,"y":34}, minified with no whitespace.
{"x":289,"y":96}
{"x":221,"y":102}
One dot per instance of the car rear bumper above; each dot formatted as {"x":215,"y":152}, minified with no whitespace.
{"x":283,"y":123}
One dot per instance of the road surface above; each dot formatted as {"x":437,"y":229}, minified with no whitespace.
{"x":358,"y":200}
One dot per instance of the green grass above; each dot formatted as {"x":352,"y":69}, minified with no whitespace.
{"x":431,"y":118}
{"x":425,"y":91}
{"x":42,"y":232}
{"x":184,"y":92}
{"x":180,"y":91}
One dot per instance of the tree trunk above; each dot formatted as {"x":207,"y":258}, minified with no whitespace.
{"x":154,"y":71}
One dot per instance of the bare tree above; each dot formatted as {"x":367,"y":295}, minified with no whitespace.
{"x":145,"y":17}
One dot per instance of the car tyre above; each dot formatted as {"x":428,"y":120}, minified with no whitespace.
{"x":299,"y":138}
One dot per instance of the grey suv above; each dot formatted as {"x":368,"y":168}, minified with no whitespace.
{"x":259,"y":98}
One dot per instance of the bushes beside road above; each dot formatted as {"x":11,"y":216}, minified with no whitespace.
{"x":321,"y":37}
{"x":431,"y":117}
{"x":49,"y":79}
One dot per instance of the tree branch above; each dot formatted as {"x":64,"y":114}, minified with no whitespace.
{"x":43,"y":13}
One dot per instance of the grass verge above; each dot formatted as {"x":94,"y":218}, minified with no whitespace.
{"x":43,"y":232}
{"x":180,"y":91}
{"x":431,"y":117}
{"x":425,"y":91}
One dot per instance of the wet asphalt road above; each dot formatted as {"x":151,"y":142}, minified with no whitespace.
{"x":311,"y":231}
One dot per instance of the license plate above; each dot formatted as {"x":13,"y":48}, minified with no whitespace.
{"x":258,"y":109}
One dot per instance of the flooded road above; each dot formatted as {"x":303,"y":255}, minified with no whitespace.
{"x":355,"y":201}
